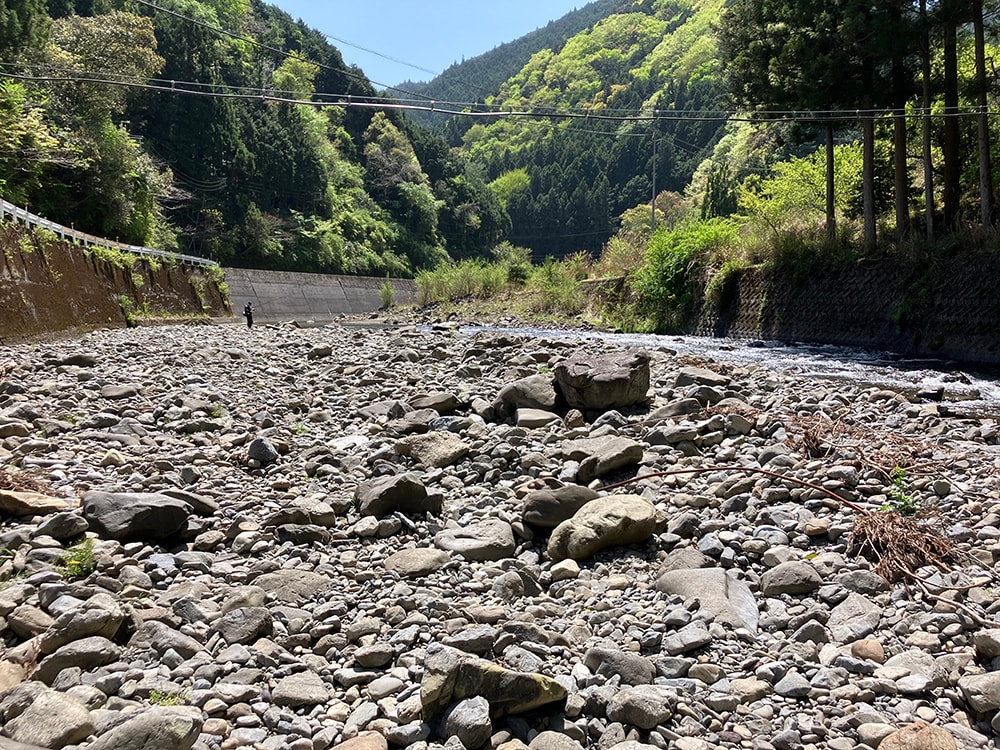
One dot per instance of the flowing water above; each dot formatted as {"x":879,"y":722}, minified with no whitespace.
{"x":969,"y":390}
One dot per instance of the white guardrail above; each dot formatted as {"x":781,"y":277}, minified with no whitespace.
{"x":82,"y":238}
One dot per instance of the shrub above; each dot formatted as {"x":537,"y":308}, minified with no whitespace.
{"x":666,"y":282}
{"x":128,"y":310}
{"x":387,"y":293}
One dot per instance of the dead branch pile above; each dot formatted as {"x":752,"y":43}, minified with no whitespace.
{"x":898,"y":545}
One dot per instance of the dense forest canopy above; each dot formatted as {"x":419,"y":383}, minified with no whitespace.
{"x":224,"y":128}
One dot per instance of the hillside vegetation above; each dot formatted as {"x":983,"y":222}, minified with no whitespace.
{"x":479,"y":77}
{"x":184,"y":125}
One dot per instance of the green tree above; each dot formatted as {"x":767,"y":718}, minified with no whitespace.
{"x":115,"y":44}
{"x":787,"y":55}
{"x":23,"y":27}
{"x":28,"y":147}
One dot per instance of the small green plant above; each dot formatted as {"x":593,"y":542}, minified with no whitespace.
{"x":166,"y":698}
{"x":900,"y":500}
{"x":301,"y":428}
{"x":387,"y":293}
{"x":128,"y":310}
{"x":78,"y":560}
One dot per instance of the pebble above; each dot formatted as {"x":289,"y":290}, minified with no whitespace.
{"x":282,"y":525}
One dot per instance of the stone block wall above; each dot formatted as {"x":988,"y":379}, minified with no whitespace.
{"x":947,"y":309}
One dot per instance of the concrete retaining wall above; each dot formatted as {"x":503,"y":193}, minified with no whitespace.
{"x":284,"y":295}
{"x":940,"y":308}
{"x":48,"y":285}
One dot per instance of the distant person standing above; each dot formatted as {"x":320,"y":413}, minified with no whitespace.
{"x":248,"y":314}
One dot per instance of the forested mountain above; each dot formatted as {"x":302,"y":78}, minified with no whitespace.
{"x":479,"y":77}
{"x":187,"y":124}
{"x":598,"y":125}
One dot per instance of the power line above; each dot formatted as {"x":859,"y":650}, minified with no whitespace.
{"x":481,"y":111}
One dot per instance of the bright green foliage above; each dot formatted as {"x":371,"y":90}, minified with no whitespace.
{"x":901,"y":499}
{"x":27,"y":145}
{"x":510,"y":183}
{"x":720,"y":193}
{"x":667,"y":282}
{"x":296,"y":77}
{"x":792,"y":197}
{"x":387,"y":293}
{"x":467,"y":80}
{"x":557,"y":287}
{"x":516,"y":261}
{"x":455,"y":281}
{"x":78,"y":561}
{"x":116,"y":44}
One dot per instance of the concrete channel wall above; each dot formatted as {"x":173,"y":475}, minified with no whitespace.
{"x":286,"y":295}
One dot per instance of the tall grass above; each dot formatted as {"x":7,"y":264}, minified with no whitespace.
{"x":451,"y":282}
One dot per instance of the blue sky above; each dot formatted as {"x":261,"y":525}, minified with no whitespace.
{"x":430,"y":35}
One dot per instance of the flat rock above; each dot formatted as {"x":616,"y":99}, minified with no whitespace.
{"x":433,"y":449}
{"x":417,"y":563}
{"x":491,"y":539}
{"x":720,"y":595}
{"x":301,"y":689}
{"x":32,"y":503}
{"x":293,"y":586}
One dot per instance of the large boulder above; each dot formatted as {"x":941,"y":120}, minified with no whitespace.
{"x":404,"y":493}
{"x":919,"y":736}
{"x":135,"y":516}
{"x":160,"y":727}
{"x":598,"y":383}
{"x":34,"y":713}
{"x":549,"y":507}
{"x":601,"y":456}
{"x":101,"y":615}
{"x":609,"y":521}
{"x":85,"y":653}
{"x":532,"y":392}
{"x":451,"y":676}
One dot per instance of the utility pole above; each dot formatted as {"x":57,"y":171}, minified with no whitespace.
{"x":652,"y":203}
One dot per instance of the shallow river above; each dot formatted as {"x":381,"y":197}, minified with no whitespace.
{"x":970,"y":390}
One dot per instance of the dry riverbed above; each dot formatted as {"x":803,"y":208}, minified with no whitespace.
{"x":337,"y":536}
